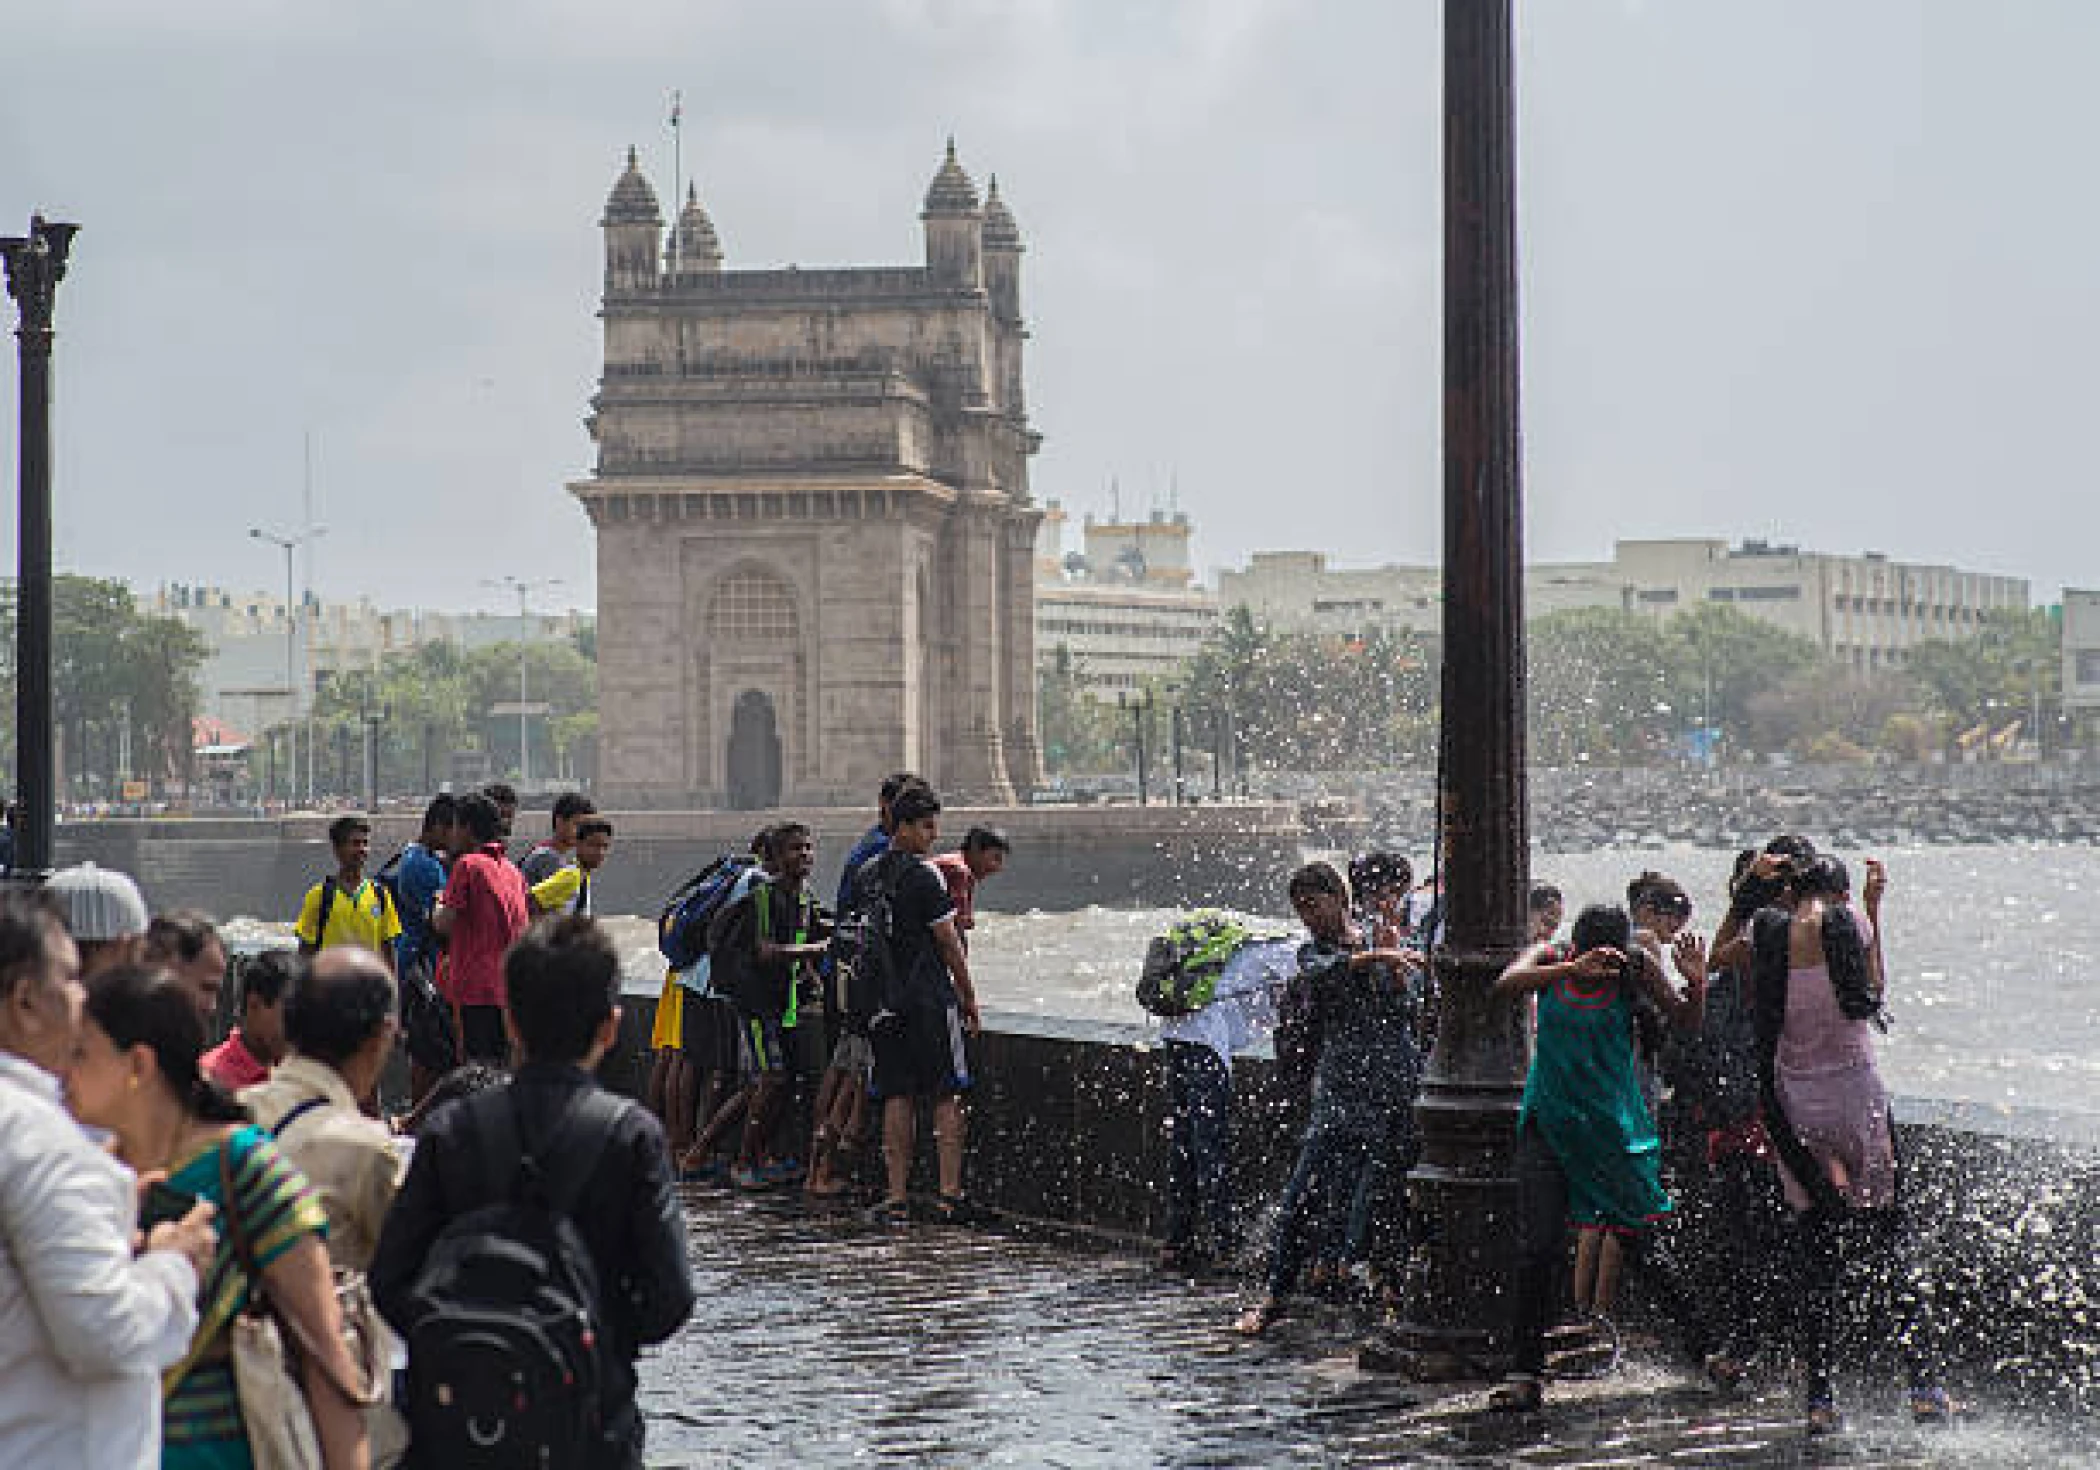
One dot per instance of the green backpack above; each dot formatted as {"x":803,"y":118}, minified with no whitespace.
{"x":1182,"y":966}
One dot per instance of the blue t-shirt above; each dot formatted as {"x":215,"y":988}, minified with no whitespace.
{"x":873,"y":844}
{"x":418,"y":881}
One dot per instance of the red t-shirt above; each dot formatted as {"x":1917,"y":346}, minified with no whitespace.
{"x":962,"y":889}
{"x":232,"y":1065}
{"x":486,"y":895}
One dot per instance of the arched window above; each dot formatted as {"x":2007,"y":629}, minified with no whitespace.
{"x":753,"y":606}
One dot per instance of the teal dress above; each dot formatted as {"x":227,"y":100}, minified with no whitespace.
{"x":200,"y":1415}
{"x":1584,"y":1099}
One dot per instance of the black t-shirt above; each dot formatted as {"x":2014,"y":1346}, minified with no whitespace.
{"x":918,"y":901}
{"x":734,"y":968}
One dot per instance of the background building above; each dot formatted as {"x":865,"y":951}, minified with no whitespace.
{"x":242,"y":684}
{"x":815,"y":537}
{"x":2081,"y":670}
{"x":1125,"y":606}
{"x":1867,"y":610}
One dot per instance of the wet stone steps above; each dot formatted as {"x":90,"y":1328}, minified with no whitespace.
{"x":819,"y":1340}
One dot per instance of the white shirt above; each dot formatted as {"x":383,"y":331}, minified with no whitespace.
{"x":85,"y":1326}
{"x":1242,"y":1010}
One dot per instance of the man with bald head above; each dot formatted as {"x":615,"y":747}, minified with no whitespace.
{"x":339,"y":1025}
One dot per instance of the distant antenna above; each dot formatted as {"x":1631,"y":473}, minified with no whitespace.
{"x":1115,"y":500}
{"x":1174,"y":492}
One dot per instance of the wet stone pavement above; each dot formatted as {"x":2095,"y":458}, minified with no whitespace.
{"x":819,"y":1340}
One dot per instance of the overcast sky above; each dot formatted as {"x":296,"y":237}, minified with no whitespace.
{"x":1809,"y":270}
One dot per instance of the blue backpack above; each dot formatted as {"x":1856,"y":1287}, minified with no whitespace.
{"x":681,"y":930}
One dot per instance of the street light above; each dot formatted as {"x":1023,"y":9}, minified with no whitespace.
{"x":1463,"y":1190}
{"x":293,"y":615}
{"x":35,"y":264}
{"x":524,"y":589}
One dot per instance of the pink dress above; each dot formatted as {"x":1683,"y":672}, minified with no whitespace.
{"x":1833,"y":1095}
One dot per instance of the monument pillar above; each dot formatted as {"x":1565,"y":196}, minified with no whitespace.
{"x":1463,"y":1191}
{"x":1024,"y":756}
{"x":976,"y":771}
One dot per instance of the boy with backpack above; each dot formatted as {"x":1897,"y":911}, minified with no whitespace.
{"x":1214,"y":983}
{"x":536,"y":1245}
{"x":346,"y":907}
{"x":922,"y":1002}
{"x":703,"y":1035}
{"x":759,"y":949}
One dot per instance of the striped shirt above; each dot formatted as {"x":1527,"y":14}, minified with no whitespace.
{"x":277,"y":1208}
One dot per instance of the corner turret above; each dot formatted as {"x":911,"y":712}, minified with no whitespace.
{"x":633,"y":230}
{"x":954,"y":227}
{"x":1002,"y":256}
{"x":695,"y":249}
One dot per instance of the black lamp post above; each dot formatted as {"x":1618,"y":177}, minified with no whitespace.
{"x":1463,"y":1191}
{"x":35,"y":264}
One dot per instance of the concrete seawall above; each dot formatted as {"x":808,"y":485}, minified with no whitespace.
{"x":1064,"y":857}
{"x":1068,"y":1128}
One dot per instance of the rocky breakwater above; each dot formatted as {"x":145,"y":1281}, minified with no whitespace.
{"x":1582,"y":810}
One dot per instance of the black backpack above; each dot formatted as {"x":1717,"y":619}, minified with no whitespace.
{"x":864,"y":944}
{"x":506,"y":1338}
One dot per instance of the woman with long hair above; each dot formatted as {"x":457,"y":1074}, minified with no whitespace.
{"x":1817,"y":967}
{"x":136,"y":1074}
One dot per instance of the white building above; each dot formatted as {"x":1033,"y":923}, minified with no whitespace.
{"x":1866,"y":609}
{"x":244,"y":679}
{"x":2081,"y":650}
{"x":1125,"y":607}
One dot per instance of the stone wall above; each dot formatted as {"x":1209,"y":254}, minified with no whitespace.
{"x":1068,"y":1128}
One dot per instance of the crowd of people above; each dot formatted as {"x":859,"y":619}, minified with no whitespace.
{"x":170,"y":1198}
{"x":477,"y":1271}
{"x":1740,"y":1069}
{"x":219,"y":1252}
{"x":859,"y":1012}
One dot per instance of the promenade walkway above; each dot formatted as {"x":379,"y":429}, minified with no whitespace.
{"x":820,"y":1341}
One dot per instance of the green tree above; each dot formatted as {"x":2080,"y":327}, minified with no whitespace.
{"x":2012,"y":664}
{"x":113,"y":668}
{"x":1079,"y":731}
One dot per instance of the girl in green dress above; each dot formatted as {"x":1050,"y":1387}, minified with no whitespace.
{"x":1587,"y":1152}
{"x":136,"y":1074}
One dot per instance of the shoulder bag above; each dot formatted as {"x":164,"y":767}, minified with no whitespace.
{"x":266,"y":1359}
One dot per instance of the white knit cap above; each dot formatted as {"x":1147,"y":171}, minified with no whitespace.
{"x":99,"y":903}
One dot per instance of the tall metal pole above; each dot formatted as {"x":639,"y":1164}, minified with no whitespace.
{"x":294,"y":614}
{"x":524,"y":589}
{"x":1179,"y":784}
{"x":35,"y":264}
{"x":1463,"y":1192}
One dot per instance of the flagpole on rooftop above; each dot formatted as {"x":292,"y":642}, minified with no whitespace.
{"x":677,"y":178}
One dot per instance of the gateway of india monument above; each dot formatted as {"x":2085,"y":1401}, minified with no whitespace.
{"x":815,"y":537}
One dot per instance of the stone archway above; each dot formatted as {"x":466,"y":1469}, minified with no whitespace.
{"x":753,"y":758}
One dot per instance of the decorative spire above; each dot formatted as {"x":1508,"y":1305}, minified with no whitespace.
{"x":951,"y":191}
{"x":632,"y":201}
{"x":695,"y":244}
{"x":1000,"y":231}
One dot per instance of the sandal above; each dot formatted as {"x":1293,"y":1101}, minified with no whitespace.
{"x":954,"y":1209}
{"x":891,"y":1214}
{"x":1518,"y":1393}
{"x":1935,"y":1406}
{"x":1257,"y":1319}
